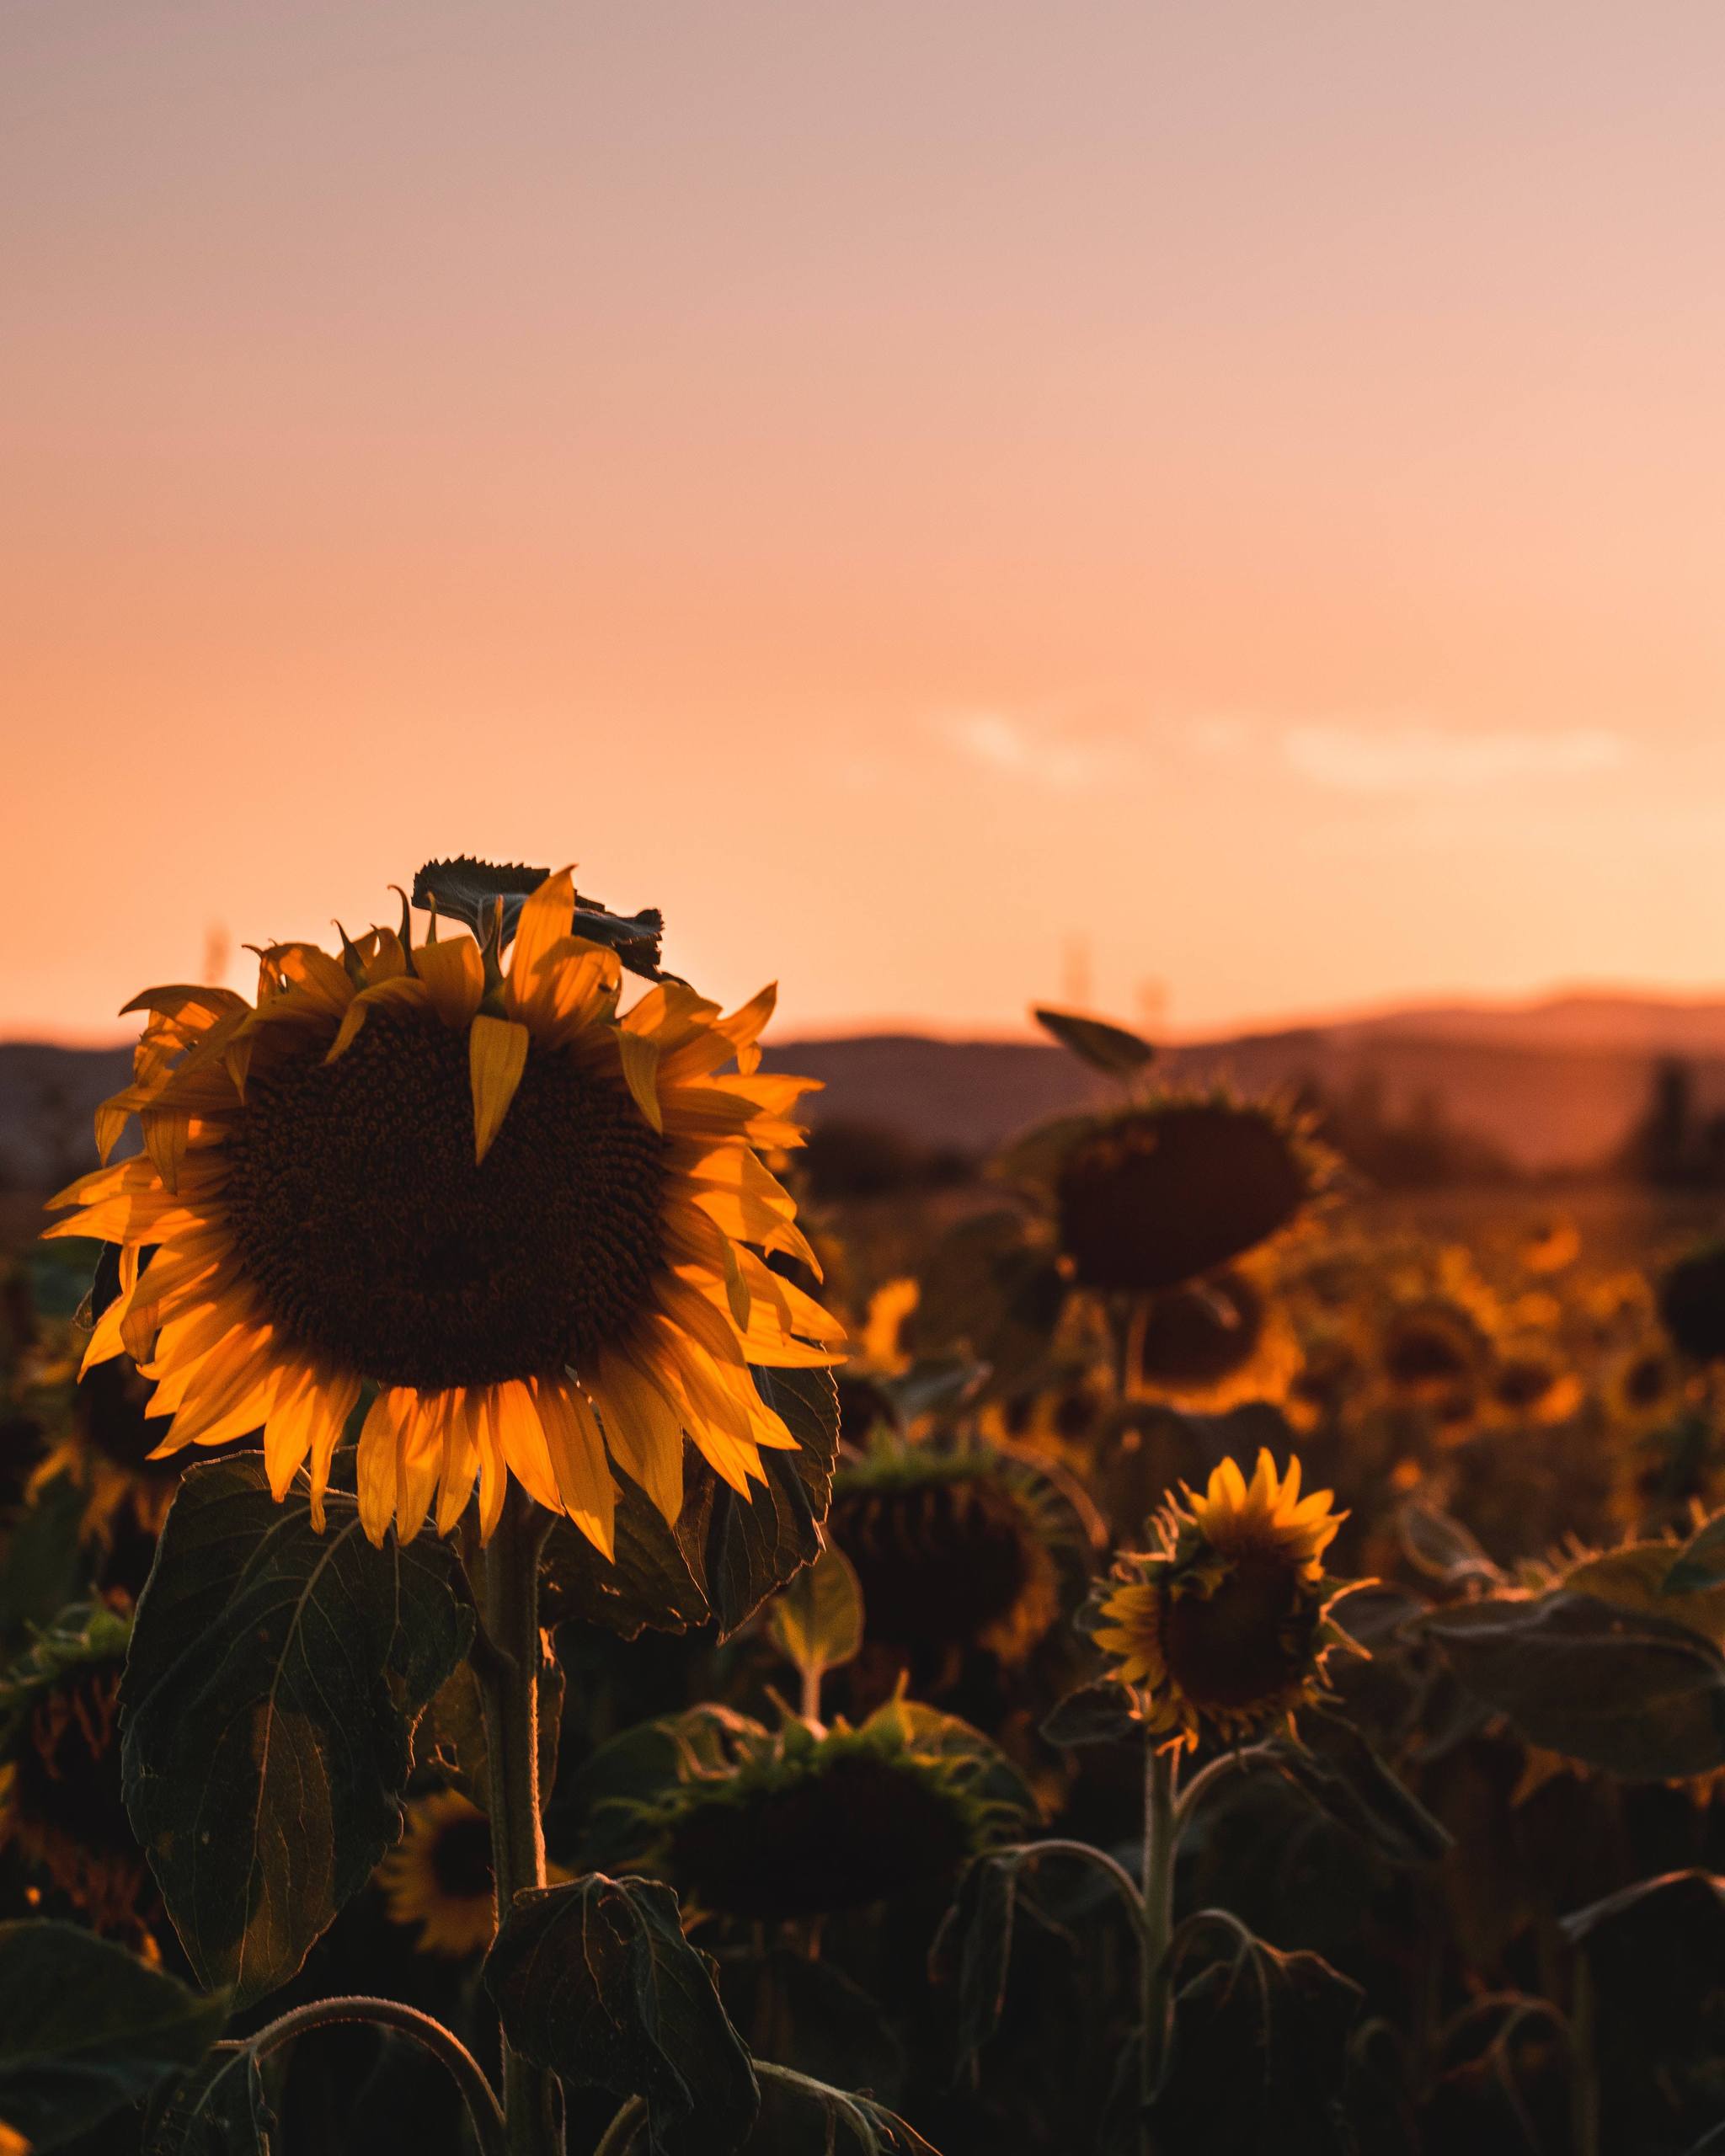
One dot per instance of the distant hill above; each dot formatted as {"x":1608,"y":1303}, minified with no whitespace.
{"x":1557,"y":1084}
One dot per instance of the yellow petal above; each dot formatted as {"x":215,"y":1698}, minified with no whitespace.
{"x":454,"y":978}
{"x":644,"y":1434}
{"x":544,"y":922}
{"x":378,"y":1440}
{"x":640,"y":1061}
{"x":497,"y":1055}
{"x":577,"y":1460}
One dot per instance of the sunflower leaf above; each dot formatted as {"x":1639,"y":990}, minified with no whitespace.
{"x":594,"y":1981}
{"x":271,"y":1690}
{"x":217,"y":2110}
{"x":1116,"y":1050}
{"x":1701,"y":1562}
{"x":1260,"y":2051}
{"x":87,"y":2028}
{"x":467,"y":890}
{"x":800,"y":2116}
{"x":816,"y":1622}
{"x":1616,"y":1688}
{"x":748,"y":1548}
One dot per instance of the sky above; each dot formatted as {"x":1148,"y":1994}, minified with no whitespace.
{"x":1212,"y":513}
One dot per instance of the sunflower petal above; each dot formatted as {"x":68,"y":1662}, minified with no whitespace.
{"x":497,"y":1055}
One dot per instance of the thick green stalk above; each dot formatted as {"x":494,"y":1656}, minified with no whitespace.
{"x":1161,"y":1839}
{"x":507,"y":1666}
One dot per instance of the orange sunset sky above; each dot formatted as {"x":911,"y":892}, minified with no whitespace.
{"x":947,"y":500}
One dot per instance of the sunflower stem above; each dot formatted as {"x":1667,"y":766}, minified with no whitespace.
{"x":430,"y":2035}
{"x":1161,"y":1839}
{"x":509,"y":1683}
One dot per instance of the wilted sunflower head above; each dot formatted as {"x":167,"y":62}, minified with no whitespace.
{"x":1227,"y":1627}
{"x":1691,"y":1302}
{"x":953,"y":1548}
{"x":439,"y":1874}
{"x":60,"y":1787}
{"x":511,"y":1218}
{"x":1211,"y":1344}
{"x":802,"y":1822}
{"x":1163,"y":1191}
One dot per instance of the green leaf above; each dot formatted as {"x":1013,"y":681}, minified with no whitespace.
{"x":1701,"y":1562}
{"x":44,"y":1568}
{"x":450,"y":1735}
{"x":594,"y":1981}
{"x":726,"y":1554}
{"x":1260,"y":2049}
{"x":1640,"y":1698}
{"x":1335,"y":1766}
{"x":270,"y":1693}
{"x":974,"y":1948}
{"x":217,"y":2110}
{"x":750,"y":1547}
{"x":816,"y":1622}
{"x":87,"y":2028}
{"x":1441,"y":1547}
{"x":1095,"y":1714}
{"x":1116,"y":1050}
{"x":467,"y":890}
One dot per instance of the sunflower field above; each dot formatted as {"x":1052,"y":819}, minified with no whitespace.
{"x":527,"y":1625}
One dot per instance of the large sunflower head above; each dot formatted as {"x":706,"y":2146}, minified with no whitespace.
{"x":439,"y":1874}
{"x":60,"y":1805}
{"x":505,"y":1219}
{"x":1167,"y":1190}
{"x":1226,"y":1626}
{"x":801,"y":1821}
{"x":954,"y":1548}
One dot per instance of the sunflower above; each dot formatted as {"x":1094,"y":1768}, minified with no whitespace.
{"x":439,"y":1874}
{"x":1165,"y":1191}
{"x":1209,"y":1345}
{"x":1531,"y":1381}
{"x":60,"y":1805}
{"x":503,"y":1219}
{"x":954,"y":1548}
{"x":770,"y":1825}
{"x":1227,"y":1627}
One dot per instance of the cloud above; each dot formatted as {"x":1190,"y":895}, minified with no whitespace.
{"x":1002,"y":744}
{"x":1421,"y":760}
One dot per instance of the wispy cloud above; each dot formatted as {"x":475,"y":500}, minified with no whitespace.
{"x":1000,"y":743}
{"x":1423,"y":760}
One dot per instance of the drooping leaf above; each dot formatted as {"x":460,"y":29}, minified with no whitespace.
{"x":601,"y":1815}
{"x":1100,"y":1713}
{"x":804,"y":2117}
{"x":594,"y":1981}
{"x":816,"y":1622}
{"x":1637,"y":1578}
{"x":1339,"y":1770}
{"x":87,"y":2028}
{"x":650,"y":1586}
{"x":450,"y":1735}
{"x":1642,"y":1699}
{"x":974,"y":1948}
{"x":1259,"y":2050}
{"x":1116,"y":1050}
{"x":1441,"y":1547}
{"x":217,"y":2110}
{"x":271,"y":1689}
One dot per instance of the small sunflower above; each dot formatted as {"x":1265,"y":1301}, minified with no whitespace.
{"x":507,"y":1221}
{"x":1531,"y":1381}
{"x":1227,"y":1627}
{"x":1550,"y":1246}
{"x":1063,"y":1418}
{"x":769,"y":1825}
{"x":439,"y":1874}
{"x":1167,"y":1190}
{"x":1646,"y":1385}
{"x":1211,"y":1344}
{"x":60,"y":1805}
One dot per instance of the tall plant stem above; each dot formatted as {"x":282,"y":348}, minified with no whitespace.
{"x":1160,"y":1838}
{"x":506,"y":1663}
{"x":420,"y":2029}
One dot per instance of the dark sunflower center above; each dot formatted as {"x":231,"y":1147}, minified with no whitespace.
{"x":378,"y":1244}
{"x":1649,"y":1377}
{"x":853,"y":1832}
{"x":1523,"y":1381}
{"x":1420,"y":1353}
{"x":1201,"y":1334}
{"x":1231,"y":1648}
{"x":460,"y":1859}
{"x":939,"y":1563}
{"x":1157,"y":1198}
